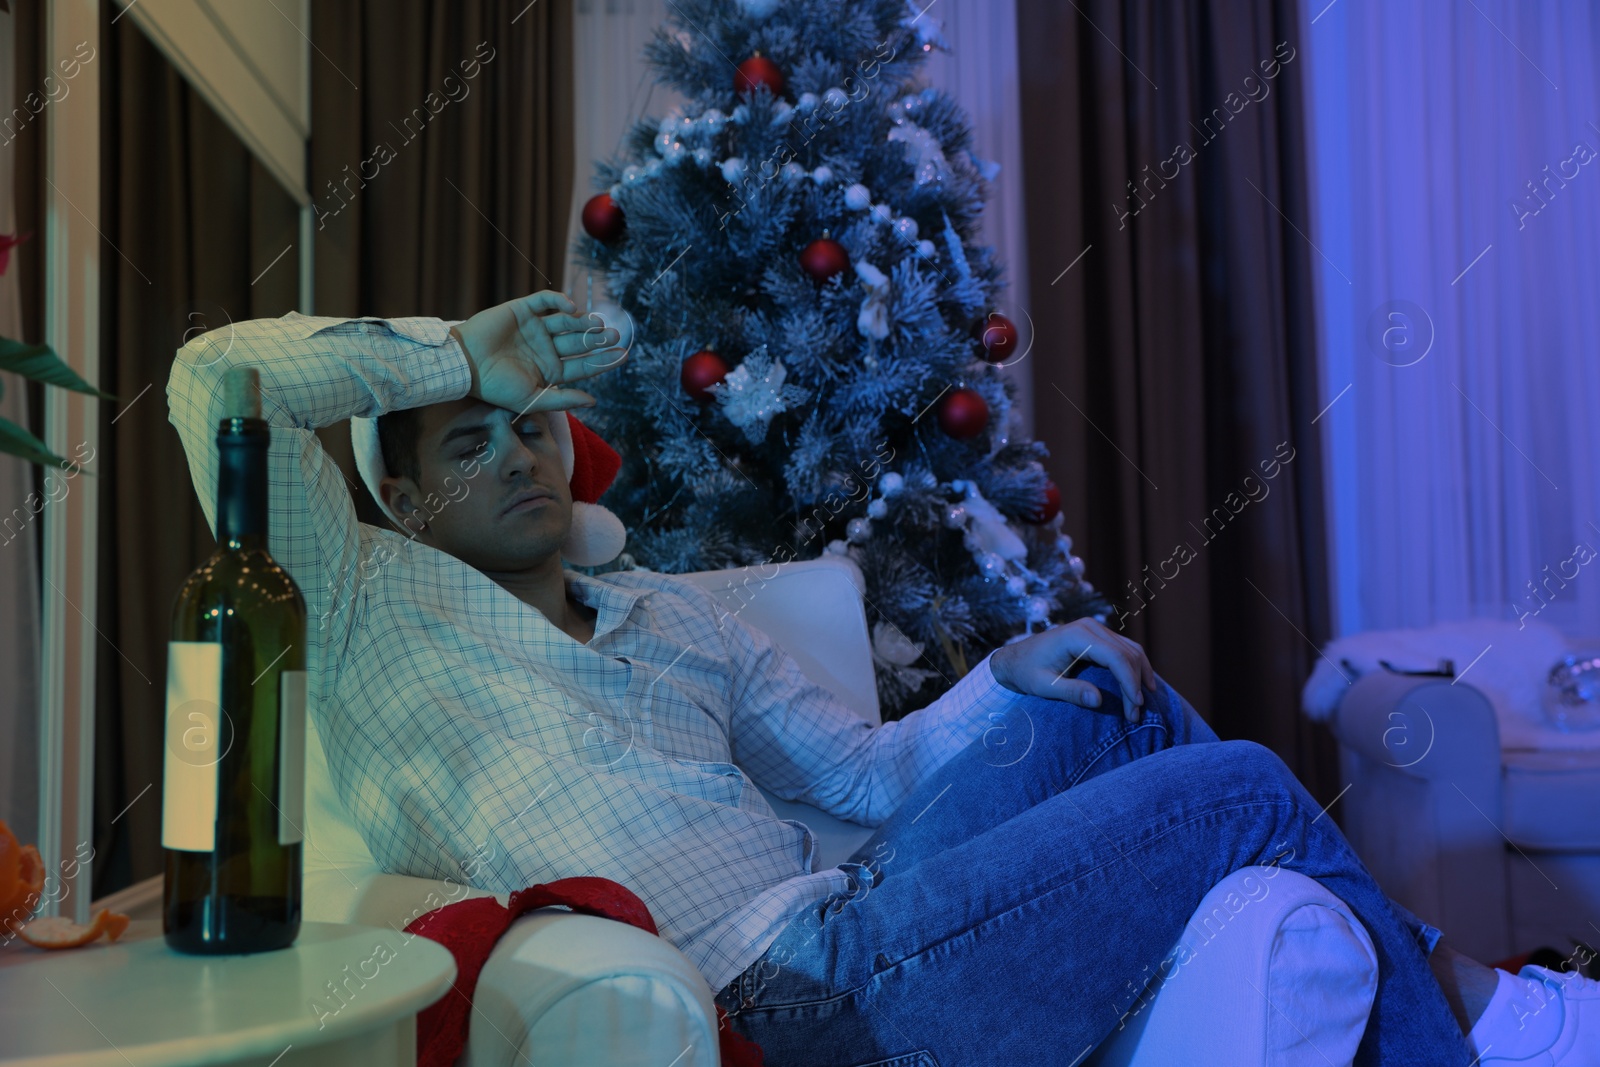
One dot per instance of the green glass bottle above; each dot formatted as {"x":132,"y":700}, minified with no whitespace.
{"x":233,"y":777}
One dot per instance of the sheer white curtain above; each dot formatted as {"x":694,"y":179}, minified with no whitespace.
{"x":1457,"y":157}
{"x":19,"y":566}
{"x":980,"y":71}
{"x":614,"y":88}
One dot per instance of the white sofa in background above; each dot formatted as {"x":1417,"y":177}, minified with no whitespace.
{"x":1285,"y":979}
{"x":1498,"y":847}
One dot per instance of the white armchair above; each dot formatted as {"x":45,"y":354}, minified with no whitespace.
{"x":1291,"y":983}
{"x":1494,"y":844}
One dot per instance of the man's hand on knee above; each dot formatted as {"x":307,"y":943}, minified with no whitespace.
{"x":1046,"y":664}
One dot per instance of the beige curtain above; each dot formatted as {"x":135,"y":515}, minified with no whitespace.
{"x":613,"y":89}
{"x":1176,"y":349}
{"x":980,"y":71}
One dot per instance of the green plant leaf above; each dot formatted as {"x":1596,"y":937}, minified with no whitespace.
{"x":40,"y":363}
{"x":16,"y":441}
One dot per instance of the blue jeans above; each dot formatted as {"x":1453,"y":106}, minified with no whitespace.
{"x":1013,"y":907}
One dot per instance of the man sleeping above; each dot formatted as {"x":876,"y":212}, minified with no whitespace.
{"x":481,"y":703}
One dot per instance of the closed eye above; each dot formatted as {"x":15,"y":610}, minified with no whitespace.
{"x":530,"y":428}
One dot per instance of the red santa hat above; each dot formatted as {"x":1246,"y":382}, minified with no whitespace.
{"x":597,"y":535}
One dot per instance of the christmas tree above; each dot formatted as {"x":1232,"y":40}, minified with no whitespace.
{"x":815,"y":343}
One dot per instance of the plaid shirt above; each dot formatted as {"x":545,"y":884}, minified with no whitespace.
{"x":471,"y":738}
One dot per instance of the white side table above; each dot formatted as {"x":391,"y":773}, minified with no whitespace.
{"x":339,"y":995}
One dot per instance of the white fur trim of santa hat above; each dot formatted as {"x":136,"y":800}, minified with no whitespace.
{"x":596,"y":536}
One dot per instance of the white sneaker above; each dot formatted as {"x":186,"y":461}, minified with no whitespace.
{"x":1573,"y":998}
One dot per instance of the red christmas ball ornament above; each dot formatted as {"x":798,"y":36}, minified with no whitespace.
{"x":603,"y":219}
{"x":999,"y":337}
{"x":700,"y":372}
{"x":1051,"y":506}
{"x":823,"y":258}
{"x":758,"y":70}
{"x":963,"y":413}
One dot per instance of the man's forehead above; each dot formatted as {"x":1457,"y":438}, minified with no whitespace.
{"x":465,"y":411}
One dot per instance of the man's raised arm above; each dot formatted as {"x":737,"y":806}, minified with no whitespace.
{"x":525,"y":354}
{"x":314,"y":372}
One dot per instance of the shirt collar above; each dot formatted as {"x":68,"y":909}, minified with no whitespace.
{"x":611,"y":603}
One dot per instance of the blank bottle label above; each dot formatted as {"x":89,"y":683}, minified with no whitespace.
{"x":291,"y":756}
{"x":193,"y":738}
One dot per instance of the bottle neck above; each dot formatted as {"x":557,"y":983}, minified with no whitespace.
{"x":242,"y":483}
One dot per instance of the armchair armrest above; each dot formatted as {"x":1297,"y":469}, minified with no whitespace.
{"x":569,"y":990}
{"x":560,"y":989}
{"x":1424,"y":727}
{"x":1423,"y":758}
{"x":1272,"y":968}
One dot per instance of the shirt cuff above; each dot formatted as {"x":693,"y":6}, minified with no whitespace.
{"x":444,"y":373}
{"x":962,"y":712}
{"x":979,"y":687}
{"x":451,"y":378}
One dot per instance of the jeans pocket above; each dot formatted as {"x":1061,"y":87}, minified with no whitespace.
{"x":919,"y":1058}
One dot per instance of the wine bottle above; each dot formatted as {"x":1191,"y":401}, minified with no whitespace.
{"x":233,"y":777}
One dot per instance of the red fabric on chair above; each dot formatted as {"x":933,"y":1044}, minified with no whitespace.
{"x":471,"y":928}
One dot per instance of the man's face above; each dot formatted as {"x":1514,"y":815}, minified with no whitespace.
{"x":476,"y":460}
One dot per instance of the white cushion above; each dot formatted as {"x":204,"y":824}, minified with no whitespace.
{"x":331,"y":838}
{"x":1549,"y":799}
{"x":812,"y":610}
